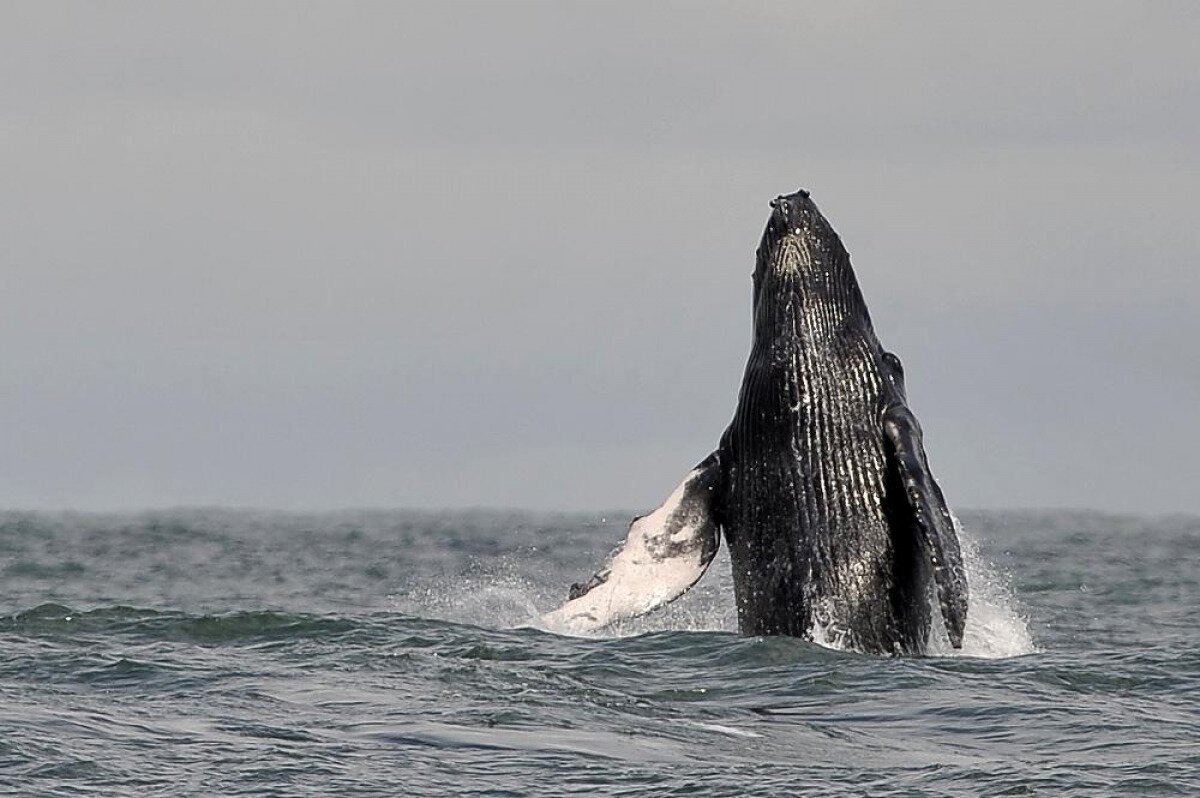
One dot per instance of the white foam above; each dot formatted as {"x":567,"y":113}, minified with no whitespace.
{"x":995,"y":627}
{"x":491,"y":601}
{"x":828,"y":636}
{"x":726,"y":730}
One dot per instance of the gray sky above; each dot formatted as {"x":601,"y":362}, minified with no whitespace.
{"x":313,"y":256}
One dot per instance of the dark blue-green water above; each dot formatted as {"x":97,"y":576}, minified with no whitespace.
{"x":390,"y":653}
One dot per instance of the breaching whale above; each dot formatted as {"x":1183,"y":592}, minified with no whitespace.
{"x":820,"y":486}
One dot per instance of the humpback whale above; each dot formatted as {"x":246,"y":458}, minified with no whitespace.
{"x":820,"y":486}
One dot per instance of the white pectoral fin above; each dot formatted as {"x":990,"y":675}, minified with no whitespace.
{"x":664,"y":554}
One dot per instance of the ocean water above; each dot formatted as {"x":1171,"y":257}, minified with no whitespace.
{"x":397,"y":653}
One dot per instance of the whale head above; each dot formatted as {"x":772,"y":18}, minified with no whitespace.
{"x":802,"y":269}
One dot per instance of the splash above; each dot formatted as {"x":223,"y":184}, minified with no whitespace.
{"x":995,"y":627}
{"x":502,"y":593}
{"x":492,"y":596}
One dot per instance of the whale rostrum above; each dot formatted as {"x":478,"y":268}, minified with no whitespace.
{"x":820,"y":485}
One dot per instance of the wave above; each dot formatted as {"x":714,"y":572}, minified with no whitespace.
{"x":57,"y":620}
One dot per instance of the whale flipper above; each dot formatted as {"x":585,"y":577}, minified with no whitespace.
{"x":664,"y":554}
{"x":931,"y":517}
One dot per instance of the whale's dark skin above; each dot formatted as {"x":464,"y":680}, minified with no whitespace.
{"x":820,"y":485}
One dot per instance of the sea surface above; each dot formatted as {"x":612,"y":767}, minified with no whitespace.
{"x":394,"y":653}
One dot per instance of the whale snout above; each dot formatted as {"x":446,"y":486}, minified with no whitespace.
{"x":790,"y":207}
{"x":799,"y":243}
{"x":793,"y":213}
{"x":784,"y":201}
